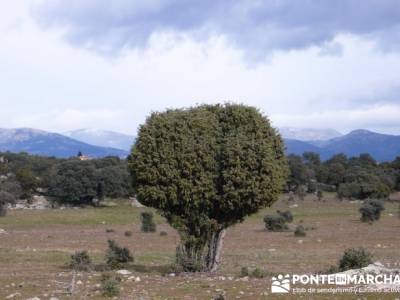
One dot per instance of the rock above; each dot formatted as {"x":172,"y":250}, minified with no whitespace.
{"x":12,"y":296}
{"x":300,"y":241}
{"x":34,"y":298}
{"x":39,"y":202}
{"x":135,"y":202}
{"x":124,"y":272}
{"x":172,"y":274}
{"x":293,"y":205}
{"x":54,"y":298}
{"x":138,"y":279}
{"x":79,"y":282}
{"x":2,"y":231}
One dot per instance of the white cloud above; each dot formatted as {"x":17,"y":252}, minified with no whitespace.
{"x":49,"y":84}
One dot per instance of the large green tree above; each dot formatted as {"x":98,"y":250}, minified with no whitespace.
{"x":205,"y":169}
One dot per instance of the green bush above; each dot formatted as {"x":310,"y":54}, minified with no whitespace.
{"x":287,"y":215}
{"x":300,"y":231}
{"x":110,"y":285}
{"x":117,"y":257}
{"x":275,"y":223}
{"x":148,"y":224}
{"x":355,"y":259}
{"x":371,"y":210}
{"x":128,"y":233}
{"x":278,"y":222}
{"x":80,"y":261}
{"x":163,"y":233}
{"x":254,"y":273}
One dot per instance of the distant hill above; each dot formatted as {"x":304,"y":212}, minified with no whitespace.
{"x":40,"y":142}
{"x":383,"y":147}
{"x":102,"y":138}
{"x":308,"y":134}
{"x":299,"y":147}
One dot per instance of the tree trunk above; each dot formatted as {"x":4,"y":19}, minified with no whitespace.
{"x":213,"y":257}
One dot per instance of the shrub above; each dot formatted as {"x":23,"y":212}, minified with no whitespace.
{"x":275,"y":223}
{"x":371,"y":210}
{"x":110,"y":230}
{"x":128,"y":233}
{"x":287,"y":215}
{"x":255,"y":273}
{"x":110,"y":285}
{"x":148,"y":224}
{"x":80,"y":261}
{"x":244,"y":272}
{"x":278,"y":222}
{"x":163,"y":233}
{"x":355,"y":259}
{"x":300,"y":231}
{"x":116,"y":256}
{"x":258,"y":273}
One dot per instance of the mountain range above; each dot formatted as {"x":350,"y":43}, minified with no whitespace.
{"x":102,"y":138}
{"x":100,"y":143}
{"x":41,"y":142}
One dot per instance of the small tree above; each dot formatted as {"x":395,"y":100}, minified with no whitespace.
{"x":80,"y":261}
{"x":205,"y":169}
{"x":148,"y":224}
{"x":371,"y":210}
{"x":355,"y":259}
{"x":117,"y":256}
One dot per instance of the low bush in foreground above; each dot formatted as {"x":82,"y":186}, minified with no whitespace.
{"x":110,"y":285}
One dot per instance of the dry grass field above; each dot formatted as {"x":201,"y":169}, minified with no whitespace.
{"x":37,"y":245}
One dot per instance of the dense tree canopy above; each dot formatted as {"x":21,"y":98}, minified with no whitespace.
{"x":207,"y":168}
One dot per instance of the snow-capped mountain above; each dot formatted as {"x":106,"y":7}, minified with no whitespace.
{"x":308,"y":134}
{"x":102,"y":138}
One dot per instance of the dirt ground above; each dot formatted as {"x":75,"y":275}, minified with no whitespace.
{"x":37,"y":246}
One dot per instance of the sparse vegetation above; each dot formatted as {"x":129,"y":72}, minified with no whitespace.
{"x":128,"y":233}
{"x":163,"y":233}
{"x":116,"y":256}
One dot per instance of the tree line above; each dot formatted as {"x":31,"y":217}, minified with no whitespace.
{"x":76,"y":182}
{"x":359,"y":177}
{"x":66,"y":181}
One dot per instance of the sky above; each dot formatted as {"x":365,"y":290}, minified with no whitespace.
{"x":103,"y":64}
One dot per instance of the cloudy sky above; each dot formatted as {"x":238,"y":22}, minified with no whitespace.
{"x":107,"y":64}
